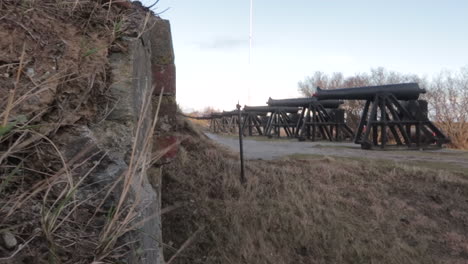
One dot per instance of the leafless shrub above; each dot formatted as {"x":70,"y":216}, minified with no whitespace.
{"x":448,"y":97}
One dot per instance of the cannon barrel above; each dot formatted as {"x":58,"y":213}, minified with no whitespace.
{"x":216,"y":115}
{"x":256,"y":109}
{"x":268,"y":109}
{"x":230,"y":113}
{"x":202,"y":117}
{"x":404,"y":91}
{"x":303,"y":102}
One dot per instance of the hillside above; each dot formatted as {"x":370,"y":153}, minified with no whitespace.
{"x":77,"y":129}
{"x":311,"y":210}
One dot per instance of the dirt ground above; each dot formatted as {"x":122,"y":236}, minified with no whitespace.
{"x":268,"y":149}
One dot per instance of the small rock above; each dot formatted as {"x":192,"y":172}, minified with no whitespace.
{"x":37,"y":230}
{"x":436,"y":198}
{"x":9,"y":240}
{"x":404,"y":220}
{"x":30,"y":72}
{"x":36,"y":208}
{"x":124,"y":4}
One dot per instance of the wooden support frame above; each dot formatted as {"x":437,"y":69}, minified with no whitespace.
{"x":279,"y":120}
{"x":215,"y":125}
{"x":253,"y":123}
{"x":224,"y":124}
{"x":389,"y":123}
{"x":317,"y":123}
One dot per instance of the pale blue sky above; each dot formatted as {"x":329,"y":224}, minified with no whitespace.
{"x":293,"y":39}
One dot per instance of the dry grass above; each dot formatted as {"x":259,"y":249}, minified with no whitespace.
{"x":457,"y":132}
{"x":205,"y":124}
{"x":320,"y":211}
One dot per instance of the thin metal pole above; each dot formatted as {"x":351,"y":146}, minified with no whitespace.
{"x":241,"y":148}
{"x":250,"y":52}
{"x":251,"y":31}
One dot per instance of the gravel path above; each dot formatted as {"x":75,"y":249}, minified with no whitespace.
{"x":270,"y":149}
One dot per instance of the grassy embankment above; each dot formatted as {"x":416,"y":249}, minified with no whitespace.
{"x":311,"y":209}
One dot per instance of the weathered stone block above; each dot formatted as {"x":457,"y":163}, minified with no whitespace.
{"x":168,"y":146}
{"x":132,"y":85}
{"x":161,"y":43}
{"x":168,"y":107}
{"x":121,"y":72}
{"x":164,"y":77}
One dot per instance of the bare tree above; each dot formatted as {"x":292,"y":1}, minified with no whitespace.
{"x":308,"y":86}
{"x":337,"y":80}
{"x":448,"y":97}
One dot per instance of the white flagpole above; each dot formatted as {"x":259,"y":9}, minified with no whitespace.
{"x":251,"y":31}
{"x":250,"y":51}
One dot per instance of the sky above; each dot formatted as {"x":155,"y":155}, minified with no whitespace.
{"x":293,"y":39}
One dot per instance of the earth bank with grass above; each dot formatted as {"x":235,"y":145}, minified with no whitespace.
{"x":87,"y":120}
{"x":311,"y":209}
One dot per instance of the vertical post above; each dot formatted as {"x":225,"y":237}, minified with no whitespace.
{"x":250,"y":122}
{"x":361,"y":131}
{"x":241,"y":147}
{"x":311,"y":121}
{"x":383,"y":119}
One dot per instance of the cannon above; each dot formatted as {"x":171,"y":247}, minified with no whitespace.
{"x":303,"y":102}
{"x":254,"y":119}
{"x":403,"y":91}
{"x":216,"y":115}
{"x":277,"y":118}
{"x":392,"y":116}
{"x":215,"y":122}
{"x":230,"y":121}
{"x":269,"y":109}
{"x":315,"y":121}
{"x":223,"y":122}
{"x":229,"y":113}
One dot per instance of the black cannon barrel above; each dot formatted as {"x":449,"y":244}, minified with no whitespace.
{"x":216,"y":115}
{"x":256,"y":109}
{"x":202,"y":117}
{"x":230,"y":113}
{"x":305,"y":101}
{"x":403,"y":91}
{"x":268,"y":109}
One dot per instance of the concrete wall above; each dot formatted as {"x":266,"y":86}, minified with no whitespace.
{"x":164,"y":81}
{"x":140,"y":77}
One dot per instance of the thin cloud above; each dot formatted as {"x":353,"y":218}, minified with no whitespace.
{"x":222,"y":43}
